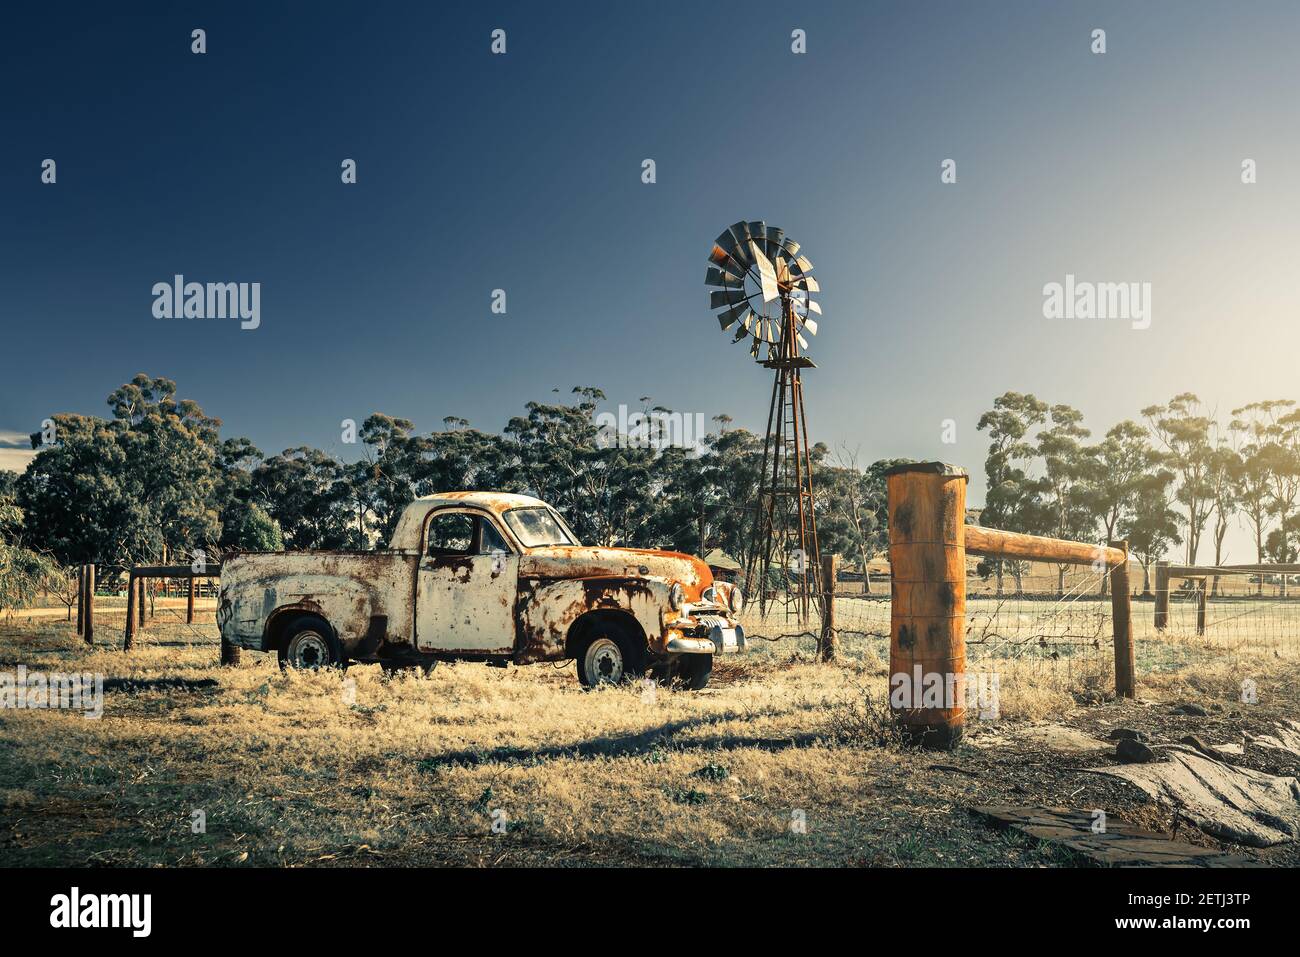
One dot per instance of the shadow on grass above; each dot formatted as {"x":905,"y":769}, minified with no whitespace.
{"x":639,"y":744}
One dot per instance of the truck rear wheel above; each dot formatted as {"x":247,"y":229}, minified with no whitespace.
{"x":309,"y":644}
{"x":609,"y":655}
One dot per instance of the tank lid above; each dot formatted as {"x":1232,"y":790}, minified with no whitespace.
{"x":929,"y":468}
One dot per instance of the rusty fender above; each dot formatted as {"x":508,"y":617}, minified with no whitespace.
{"x":365,"y":597}
{"x":547,"y":608}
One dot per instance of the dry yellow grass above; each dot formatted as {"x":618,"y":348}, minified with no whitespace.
{"x":352,"y":767}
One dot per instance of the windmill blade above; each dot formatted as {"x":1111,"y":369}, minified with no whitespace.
{"x":767,"y":275}
{"x":803,"y":343}
{"x":814,"y":307}
{"x":774,"y":236}
{"x":753,"y":350}
{"x":727,"y":297}
{"x":735,"y":261}
{"x":727,"y":239}
{"x":729,"y":316}
{"x":811,"y":284}
{"x":721,"y":277}
{"x":740,"y":253}
{"x":804,"y":264}
{"x":810,"y":325}
{"x":791,"y":247}
{"x":742,"y":331}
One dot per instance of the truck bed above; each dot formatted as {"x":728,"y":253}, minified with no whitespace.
{"x":368,"y":597}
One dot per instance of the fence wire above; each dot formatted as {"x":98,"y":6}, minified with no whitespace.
{"x":1235,"y":612}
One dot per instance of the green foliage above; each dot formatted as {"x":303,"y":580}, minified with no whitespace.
{"x":23,"y":572}
{"x":119,"y":490}
{"x":156,"y":477}
{"x":258,"y":531}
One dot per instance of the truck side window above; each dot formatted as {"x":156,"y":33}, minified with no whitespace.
{"x":450,"y":533}
{"x":492,"y":541}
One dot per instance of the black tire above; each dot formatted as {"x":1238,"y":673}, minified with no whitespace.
{"x":694,"y":671}
{"x":610,"y":654}
{"x":309,"y":644}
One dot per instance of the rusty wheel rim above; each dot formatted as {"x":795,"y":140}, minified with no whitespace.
{"x":604,"y":662}
{"x":309,"y":651}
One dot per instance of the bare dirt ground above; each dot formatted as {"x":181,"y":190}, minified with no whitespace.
{"x":333,"y":768}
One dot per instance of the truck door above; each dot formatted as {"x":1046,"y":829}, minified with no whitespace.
{"x":465,"y":585}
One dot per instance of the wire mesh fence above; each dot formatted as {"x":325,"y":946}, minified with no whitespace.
{"x":1050,"y":622}
{"x":1234,"y":611}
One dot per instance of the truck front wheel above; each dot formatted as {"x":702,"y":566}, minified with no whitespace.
{"x":609,"y":655}
{"x":310,"y":644}
{"x":694,"y":671}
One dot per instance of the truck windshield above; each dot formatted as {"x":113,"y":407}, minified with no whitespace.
{"x":537,"y":526}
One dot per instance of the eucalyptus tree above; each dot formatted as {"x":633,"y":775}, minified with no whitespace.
{"x":1182,"y":428}
{"x":1011,"y":500}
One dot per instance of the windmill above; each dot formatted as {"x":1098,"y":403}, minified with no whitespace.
{"x":764,"y":291}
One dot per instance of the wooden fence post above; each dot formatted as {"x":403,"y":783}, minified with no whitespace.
{"x":128,"y":637}
{"x":927,"y":554}
{"x":1162,"y":595}
{"x":1200,"y":607}
{"x":1122,"y":618}
{"x":81,"y":598}
{"x":140,"y":602}
{"x":189,"y":603}
{"x":89,"y":577}
{"x":829,"y":643}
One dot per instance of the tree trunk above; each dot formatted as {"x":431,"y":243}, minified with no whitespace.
{"x":1259,"y":556}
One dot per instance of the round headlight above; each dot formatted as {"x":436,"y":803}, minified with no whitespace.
{"x":676,"y":595}
{"x":736,"y":600}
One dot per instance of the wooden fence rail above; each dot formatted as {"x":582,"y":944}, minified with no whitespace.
{"x":135,"y":603}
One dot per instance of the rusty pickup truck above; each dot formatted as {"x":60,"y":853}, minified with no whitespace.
{"x":491,"y":577}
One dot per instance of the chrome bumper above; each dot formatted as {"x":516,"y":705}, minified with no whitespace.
{"x":721,"y":641}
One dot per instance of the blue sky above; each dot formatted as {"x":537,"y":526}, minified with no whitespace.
{"x":522,"y":172}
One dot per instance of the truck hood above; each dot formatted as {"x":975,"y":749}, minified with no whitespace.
{"x":580,"y":561}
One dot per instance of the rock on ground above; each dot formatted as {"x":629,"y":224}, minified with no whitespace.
{"x":1234,"y":804}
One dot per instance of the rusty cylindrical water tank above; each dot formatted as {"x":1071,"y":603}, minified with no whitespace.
{"x":927,"y":637}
